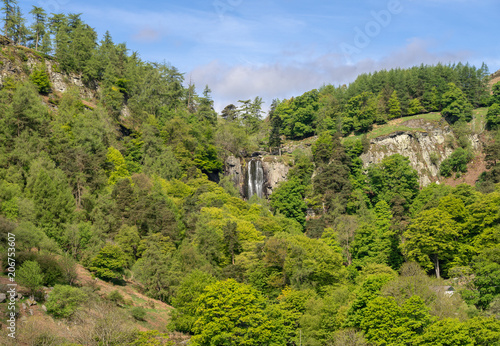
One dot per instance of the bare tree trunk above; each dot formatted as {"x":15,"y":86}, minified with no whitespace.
{"x":438,"y":273}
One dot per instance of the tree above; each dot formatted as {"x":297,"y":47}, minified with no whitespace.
{"x":64,"y":301}
{"x":431,"y":237}
{"x":276,"y":123}
{"x":230,"y":113}
{"x":38,"y":27}
{"x":394,"y":106}
{"x":493,"y":117}
{"x":119,"y":170}
{"x":205,"y":109}
{"x":415,"y":107}
{"x":186,"y":300}
{"x":109,"y":263}
{"x":30,"y":275}
{"x":447,"y":332}
{"x":9,"y":8}
{"x":40,"y":78}
{"x":456,"y":106}
{"x":486,"y":282}
{"x":391,"y":178}
{"x":457,"y":162}
{"x":231,"y":239}
{"x":288,"y":199}
{"x":230,"y":313}
{"x":128,"y":240}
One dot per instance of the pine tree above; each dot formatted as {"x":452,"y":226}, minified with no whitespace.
{"x":394,"y":106}
{"x":38,"y":27}
{"x":9,"y":8}
{"x":275,"y":135}
{"x":20,"y":33}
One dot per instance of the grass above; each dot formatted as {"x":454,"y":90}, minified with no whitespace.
{"x":397,"y":125}
{"x":386,"y":130}
{"x":478,"y":119}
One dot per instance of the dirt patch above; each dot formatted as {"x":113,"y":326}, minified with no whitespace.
{"x":474,"y":170}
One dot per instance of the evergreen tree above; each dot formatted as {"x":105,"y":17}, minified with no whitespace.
{"x":275,"y":135}
{"x":9,"y":9}
{"x":456,"y":106}
{"x":394,"y":106}
{"x":205,"y":107}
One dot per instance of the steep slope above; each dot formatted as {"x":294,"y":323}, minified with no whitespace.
{"x":427,"y":140}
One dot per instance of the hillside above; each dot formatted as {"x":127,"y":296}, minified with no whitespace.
{"x":362,"y":214}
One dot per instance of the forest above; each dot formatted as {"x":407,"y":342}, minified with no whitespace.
{"x":127,"y":181}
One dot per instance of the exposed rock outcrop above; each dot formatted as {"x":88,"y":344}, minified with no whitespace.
{"x":426,"y":147}
{"x":275,"y":171}
{"x":19,"y":62}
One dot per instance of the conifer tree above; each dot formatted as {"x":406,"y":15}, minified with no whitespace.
{"x":394,"y":106}
{"x":38,"y":27}
{"x":9,"y":9}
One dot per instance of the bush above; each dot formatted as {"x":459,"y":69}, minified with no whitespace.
{"x":457,"y":162}
{"x":116,"y":298}
{"x":138,"y":313}
{"x":64,"y":301}
{"x":109,"y":263}
{"x":40,"y":78}
{"x":30,"y":275}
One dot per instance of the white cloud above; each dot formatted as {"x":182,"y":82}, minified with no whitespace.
{"x":232,"y":83}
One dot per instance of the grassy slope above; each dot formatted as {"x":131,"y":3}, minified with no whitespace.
{"x":157,"y":317}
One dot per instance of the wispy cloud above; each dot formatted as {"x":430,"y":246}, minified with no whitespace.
{"x":278,"y":80}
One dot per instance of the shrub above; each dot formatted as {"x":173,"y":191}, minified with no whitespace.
{"x":457,"y":162}
{"x":64,"y":301}
{"x":109,"y":263}
{"x":40,"y":78}
{"x":30,"y":275}
{"x":116,"y":297}
{"x":138,"y":313}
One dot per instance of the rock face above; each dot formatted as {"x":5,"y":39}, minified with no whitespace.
{"x":18,"y":62}
{"x":257,"y":174}
{"x":275,"y":172}
{"x":233,"y":170}
{"x":425,"y":147}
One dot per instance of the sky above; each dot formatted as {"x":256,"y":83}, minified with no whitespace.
{"x":282,"y":48}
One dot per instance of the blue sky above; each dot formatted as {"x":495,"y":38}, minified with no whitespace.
{"x":278,"y":49}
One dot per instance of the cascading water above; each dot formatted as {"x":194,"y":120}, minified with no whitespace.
{"x":255,"y":183}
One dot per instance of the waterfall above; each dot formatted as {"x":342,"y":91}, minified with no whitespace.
{"x":255,"y":182}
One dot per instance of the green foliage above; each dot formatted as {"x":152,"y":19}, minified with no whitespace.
{"x":30,"y":275}
{"x":386,"y":323}
{"x":447,"y":332}
{"x":231,"y":313}
{"x":456,"y":106}
{"x":40,"y":78}
{"x":116,"y":297}
{"x":64,"y":301}
{"x":297,"y":115}
{"x":493,"y":116}
{"x":394,"y":106}
{"x":138,"y":313}
{"x":457,"y":162}
{"x":109,"y":263}
{"x":288,"y":199}
{"x":119,"y":167}
{"x":430,"y":238}
{"x":392,"y":178}
{"x":185,"y":300}
{"x":368,"y":291}
{"x":151,"y":338}
{"x":415,"y":107}
{"x":485,"y":288}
